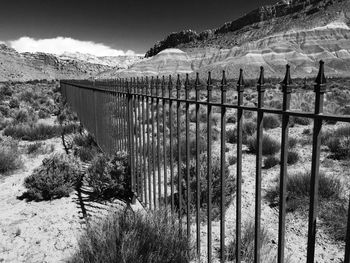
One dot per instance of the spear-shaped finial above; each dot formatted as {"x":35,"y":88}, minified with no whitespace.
{"x":178,"y":82}
{"x":287,"y":79}
{"x":240,"y":81}
{"x":170,"y":83}
{"x":321,"y":79}
{"x":261,"y":80}
{"x":223,"y":81}
{"x":209,"y":81}
{"x":187,"y":81}
{"x":197,"y":82}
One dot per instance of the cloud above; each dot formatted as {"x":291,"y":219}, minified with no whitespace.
{"x":59,"y":45}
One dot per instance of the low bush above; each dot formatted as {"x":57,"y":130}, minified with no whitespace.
{"x":230,"y":184}
{"x":334,"y":215}
{"x":43,"y":114}
{"x":55,"y":178}
{"x":271,"y":121}
{"x":4,"y":110}
{"x":292,"y":142}
{"x":248,"y":129}
{"x":269,"y":146}
{"x":298,"y":189}
{"x":32,"y":132}
{"x":85,"y":147}
{"x":232,"y":160}
{"x":300,"y":120}
{"x":138,"y":238}
{"x":110,"y":177}
{"x":14,"y":103}
{"x":271,"y":161}
{"x":34,"y":148}
{"x":293,"y":157}
{"x":231,"y":118}
{"x":5,"y":90}
{"x":24,"y":115}
{"x":9,"y":156}
{"x":338,"y":142}
{"x":247,"y":245}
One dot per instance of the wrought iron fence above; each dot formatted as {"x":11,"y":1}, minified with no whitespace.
{"x":145,"y":118}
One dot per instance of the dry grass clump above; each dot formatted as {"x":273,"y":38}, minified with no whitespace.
{"x":55,"y":178}
{"x":133,"y":237}
{"x":338,"y":142}
{"x":247,"y":245}
{"x":269,"y":145}
{"x":9,"y":155}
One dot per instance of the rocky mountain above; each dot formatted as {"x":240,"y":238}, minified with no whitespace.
{"x":111,"y":61}
{"x":16,"y":66}
{"x":298,"y":32}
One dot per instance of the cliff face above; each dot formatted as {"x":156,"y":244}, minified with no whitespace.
{"x":299,"y":33}
{"x":290,"y":11}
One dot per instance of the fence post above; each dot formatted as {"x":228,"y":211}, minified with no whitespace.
{"x":198,"y":183}
{"x":164,"y":145}
{"x":179,"y":172}
{"x":286,"y":89}
{"x":319,"y":90}
{"x":170,"y":87}
{"x":188,"y":193}
{"x":129,"y":124}
{"x":209,"y":163}
{"x":223,"y":166}
{"x":259,"y":135}
{"x":240,"y":90}
{"x":347,"y":247}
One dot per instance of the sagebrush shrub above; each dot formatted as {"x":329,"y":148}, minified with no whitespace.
{"x":14,"y":103}
{"x":34,"y":147}
{"x":230,"y":183}
{"x":271,"y":121}
{"x":85,"y":147}
{"x":248,"y":129}
{"x":110,"y":177}
{"x":338,"y":142}
{"x":300,"y":120}
{"x":9,"y":155}
{"x":269,"y":145}
{"x":292,"y":142}
{"x":298,"y":188}
{"x":55,"y":178}
{"x":293,"y":157}
{"x":271,"y":161}
{"x":138,"y":238}
{"x":32,"y":132}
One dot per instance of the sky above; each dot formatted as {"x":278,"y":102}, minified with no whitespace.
{"x":109,"y":27}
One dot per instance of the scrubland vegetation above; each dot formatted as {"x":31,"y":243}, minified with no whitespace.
{"x":134,"y":237}
{"x":32,"y":115}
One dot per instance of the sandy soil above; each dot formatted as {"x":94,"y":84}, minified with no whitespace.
{"x":36,"y":231}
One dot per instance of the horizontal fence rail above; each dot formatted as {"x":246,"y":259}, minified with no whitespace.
{"x":149,"y":118}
